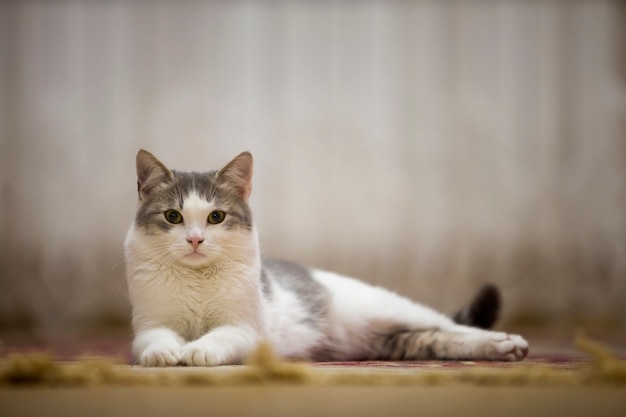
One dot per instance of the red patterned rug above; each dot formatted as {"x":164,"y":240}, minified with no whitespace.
{"x":556,"y":353}
{"x":70,"y":362}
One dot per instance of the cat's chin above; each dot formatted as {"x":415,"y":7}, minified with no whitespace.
{"x":194,"y":260}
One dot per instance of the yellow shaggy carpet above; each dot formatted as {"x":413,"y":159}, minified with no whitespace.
{"x":36,"y":384}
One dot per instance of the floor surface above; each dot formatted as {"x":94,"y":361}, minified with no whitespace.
{"x":314,"y":401}
{"x":284,"y":399}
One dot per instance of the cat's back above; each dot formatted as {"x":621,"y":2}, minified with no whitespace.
{"x":285,"y":276}
{"x":289,"y":276}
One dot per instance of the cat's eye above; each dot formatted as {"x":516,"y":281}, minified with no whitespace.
{"x":216,"y":217}
{"x":173,"y":216}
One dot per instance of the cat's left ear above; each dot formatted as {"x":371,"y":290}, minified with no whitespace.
{"x":238,"y":174}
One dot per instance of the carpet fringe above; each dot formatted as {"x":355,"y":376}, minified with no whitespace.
{"x":265,"y":367}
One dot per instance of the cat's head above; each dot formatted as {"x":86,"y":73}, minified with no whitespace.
{"x":194,"y":219}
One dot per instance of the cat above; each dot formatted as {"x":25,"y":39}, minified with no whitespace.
{"x":202,"y":295}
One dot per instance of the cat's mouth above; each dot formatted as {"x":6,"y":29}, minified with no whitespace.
{"x":195,"y":254}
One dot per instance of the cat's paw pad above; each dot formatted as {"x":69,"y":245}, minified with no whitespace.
{"x":197,"y":354}
{"x":160,"y":356}
{"x":509,"y":347}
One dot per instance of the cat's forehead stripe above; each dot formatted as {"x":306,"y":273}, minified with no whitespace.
{"x":203,"y":184}
{"x":194,"y":200}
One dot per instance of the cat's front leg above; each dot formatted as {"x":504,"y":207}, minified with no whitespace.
{"x":157,"y":347}
{"x":225,"y":345}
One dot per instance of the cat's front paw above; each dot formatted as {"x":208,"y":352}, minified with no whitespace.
{"x":160,"y":355}
{"x":508,"y":347}
{"x":199,"y":354}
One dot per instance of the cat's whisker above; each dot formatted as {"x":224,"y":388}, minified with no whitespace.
{"x":213,"y":245}
{"x":260,"y":231}
{"x":120,"y":283}
{"x":118,"y":264}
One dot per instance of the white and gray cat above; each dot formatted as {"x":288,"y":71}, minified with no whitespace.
{"x":202,"y":294}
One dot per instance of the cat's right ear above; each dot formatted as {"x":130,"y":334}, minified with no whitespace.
{"x":150,"y":173}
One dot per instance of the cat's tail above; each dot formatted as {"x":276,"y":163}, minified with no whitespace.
{"x":484,"y":309}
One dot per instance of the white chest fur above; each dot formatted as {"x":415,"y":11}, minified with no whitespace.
{"x":192,"y":302}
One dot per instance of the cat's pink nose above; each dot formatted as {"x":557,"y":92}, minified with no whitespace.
{"x":195,"y":241}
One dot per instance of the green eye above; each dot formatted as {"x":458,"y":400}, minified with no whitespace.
{"x":173,"y":216}
{"x":216,"y":217}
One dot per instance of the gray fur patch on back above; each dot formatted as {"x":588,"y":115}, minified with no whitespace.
{"x":293,"y":277}
{"x":266,"y":284}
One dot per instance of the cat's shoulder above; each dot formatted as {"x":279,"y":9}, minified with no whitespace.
{"x":290,"y":275}
{"x":285,"y":268}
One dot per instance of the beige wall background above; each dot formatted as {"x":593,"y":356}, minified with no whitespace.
{"x":426,"y":146}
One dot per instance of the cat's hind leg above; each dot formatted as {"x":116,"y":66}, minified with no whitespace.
{"x":456,"y":343}
{"x":366,"y":322}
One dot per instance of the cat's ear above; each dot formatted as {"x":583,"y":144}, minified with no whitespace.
{"x":150,"y":173}
{"x":238,"y":174}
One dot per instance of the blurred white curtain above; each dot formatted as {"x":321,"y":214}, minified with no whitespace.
{"x":422,"y":145}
